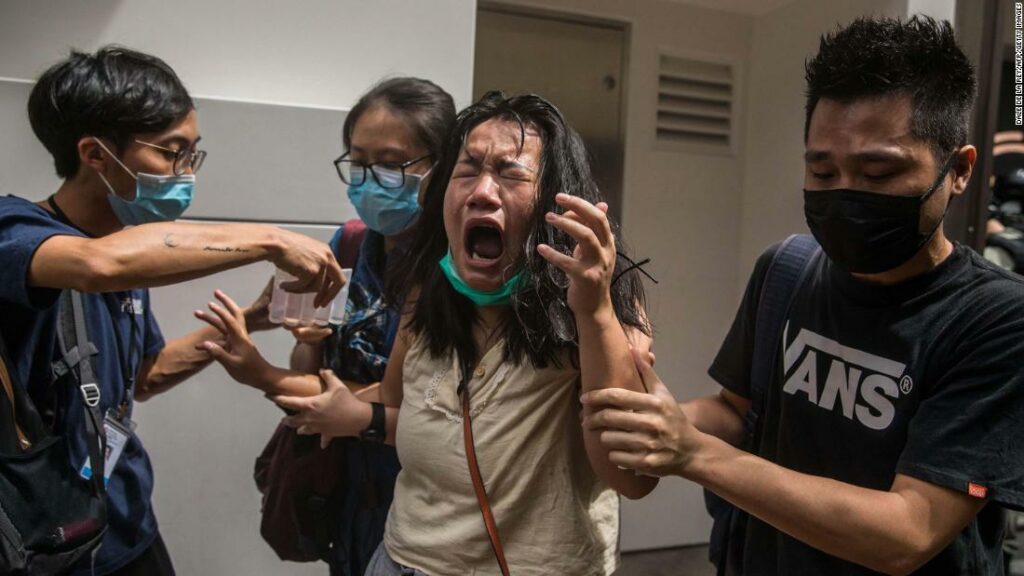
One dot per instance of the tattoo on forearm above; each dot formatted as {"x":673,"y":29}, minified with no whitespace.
{"x":224,"y":249}
{"x":170,"y":242}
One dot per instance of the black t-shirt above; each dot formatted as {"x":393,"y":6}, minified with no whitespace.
{"x":924,"y":378}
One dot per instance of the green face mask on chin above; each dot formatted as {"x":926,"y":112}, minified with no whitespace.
{"x":500,"y":297}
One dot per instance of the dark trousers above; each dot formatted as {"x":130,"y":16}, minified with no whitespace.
{"x":155,"y":561}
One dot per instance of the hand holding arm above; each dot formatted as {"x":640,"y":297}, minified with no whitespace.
{"x":895,"y":531}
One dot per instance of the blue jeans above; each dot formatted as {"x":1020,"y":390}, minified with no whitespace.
{"x":382,"y":565}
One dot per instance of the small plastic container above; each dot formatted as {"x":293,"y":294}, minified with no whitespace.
{"x":296,"y":309}
{"x":337,"y":315}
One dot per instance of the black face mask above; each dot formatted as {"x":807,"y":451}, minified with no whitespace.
{"x":867,"y":232}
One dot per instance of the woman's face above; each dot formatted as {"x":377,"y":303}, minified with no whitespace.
{"x":382,"y":137}
{"x":489,"y":201}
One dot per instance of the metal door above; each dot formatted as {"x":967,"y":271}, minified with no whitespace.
{"x":577,"y":65}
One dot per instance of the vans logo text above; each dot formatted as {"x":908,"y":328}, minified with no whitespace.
{"x":864,"y":385}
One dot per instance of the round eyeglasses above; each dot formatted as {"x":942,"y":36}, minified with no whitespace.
{"x":184,"y":158}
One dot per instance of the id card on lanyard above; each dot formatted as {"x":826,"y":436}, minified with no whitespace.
{"x":117,"y":425}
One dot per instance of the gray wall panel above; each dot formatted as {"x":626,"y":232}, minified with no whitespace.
{"x":267,"y":162}
{"x":270,"y":162}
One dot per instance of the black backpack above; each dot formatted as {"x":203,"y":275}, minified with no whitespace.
{"x":785,"y":274}
{"x":50,"y":517}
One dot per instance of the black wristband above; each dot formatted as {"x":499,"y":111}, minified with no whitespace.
{"x":377,"y":430}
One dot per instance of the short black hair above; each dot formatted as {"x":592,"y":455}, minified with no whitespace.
{"x":538,"y":325}
{"x":919,"y":58}
{"x":114,"y":93}
{"x":425,"y":105}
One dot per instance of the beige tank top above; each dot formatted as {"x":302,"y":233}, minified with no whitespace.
{"x":553,"y":513}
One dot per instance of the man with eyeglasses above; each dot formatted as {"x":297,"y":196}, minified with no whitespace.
{"x":122,"y":131}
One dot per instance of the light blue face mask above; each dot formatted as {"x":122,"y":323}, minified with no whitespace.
{"x":388,"y":210}
{"x":500,"y":297}
{"x":157,"y":198}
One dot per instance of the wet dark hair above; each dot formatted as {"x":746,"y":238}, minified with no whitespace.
{"x":115,"y":93}
{"x":538,"y":325}
{"x":424,"y":105}
{"x":919,"y":57}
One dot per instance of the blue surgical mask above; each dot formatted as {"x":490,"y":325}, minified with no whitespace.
{"x":500,"y":297}
{"x":157,"y":198}
{"x":387,"y":210}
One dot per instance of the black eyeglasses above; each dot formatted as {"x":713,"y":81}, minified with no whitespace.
{"x":389,"y":175}
{"x":183,"y":158}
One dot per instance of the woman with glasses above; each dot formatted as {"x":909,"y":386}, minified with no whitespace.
{"x":517,"y":299}
{"x":391,"y":137}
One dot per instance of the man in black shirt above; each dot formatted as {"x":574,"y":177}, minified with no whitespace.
{"x":890,"y":437}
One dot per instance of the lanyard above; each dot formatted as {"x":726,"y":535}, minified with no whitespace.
{"x":126,"y":305}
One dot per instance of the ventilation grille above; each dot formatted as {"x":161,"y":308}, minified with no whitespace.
{"x":695,"y":104}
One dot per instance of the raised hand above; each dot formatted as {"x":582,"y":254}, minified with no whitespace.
{"x":238,"y":355}
{"x":336,"y":412}
{"x":592,"y":264}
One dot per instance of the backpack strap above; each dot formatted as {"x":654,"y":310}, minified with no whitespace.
{"x":787,"y":271}
{"x":347,"y":243}
{"x":76,"y":358}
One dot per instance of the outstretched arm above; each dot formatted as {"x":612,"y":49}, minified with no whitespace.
{"x":895,"y":531}
{"x":159,"y":254}
{"x":339,"y":413}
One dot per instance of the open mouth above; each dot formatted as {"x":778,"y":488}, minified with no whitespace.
{"x":484,"y":243}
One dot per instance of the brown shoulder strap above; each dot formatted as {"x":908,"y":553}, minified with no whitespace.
{"x":478,"y":484}
{"x":8,"y":388}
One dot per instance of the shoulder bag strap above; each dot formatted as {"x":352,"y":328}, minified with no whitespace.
{"x":474,"y":472}
{"x":9,"y":390}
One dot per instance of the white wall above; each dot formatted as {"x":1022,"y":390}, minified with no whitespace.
{"x":313,"y":59}
{"x":772,"y":206}
{"x":311,"y":53}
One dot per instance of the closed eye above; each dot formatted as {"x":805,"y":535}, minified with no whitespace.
{"x":465,"y":171}
{"x":519,"y":176}
{"x":879,"y":177}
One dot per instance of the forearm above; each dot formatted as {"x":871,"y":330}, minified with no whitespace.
{"x":179,"y":360}
{"x":276,"y":381}
{"x":606,"y":362}
{"x":307,"y":358}
{"x":361,"y":417}
{"x":150,"y":255}
{"x":873,"y":528}
{"x":713,"y":415}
